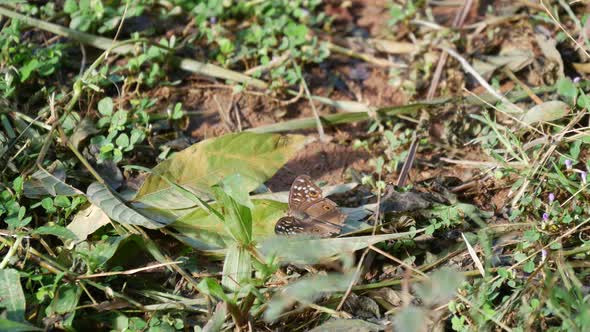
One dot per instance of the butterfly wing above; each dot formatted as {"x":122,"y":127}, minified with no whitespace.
{"x":291,"y":226}
{"x":327,"y":211}
{"x":303,"y":193}
{"x":310,"y":212}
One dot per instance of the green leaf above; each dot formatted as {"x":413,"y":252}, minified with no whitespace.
{"x":105,"y":106}
{"x":225,"y":45}
{"x":255,"y":156}
{"x":529,"y":266}
{"x":17,"y":185}
{"x":137,"y":136}
{"x":70,"y":6}
{"x":237,"y":268}
{"x":56,"y":230}
{"x":583,"y":100}
{"x":12,"y":326}
{"x":237,"y":216}
{"x":47,"y":204}
{"x":546,"y":112}
{"x":100,"y":252}
{"x":28,"y":69}
{"x":99,"y":195}
{"x":567,"y":88}
{"x":118,"y":120}
{"x":122,"y":141}
{"x":66,"y":299}
{"x":297,"y":33}
{"x":210,"y":233}
{"x":11,"y":295}
{"x":210,"y":287}
{"x":62,"y":201}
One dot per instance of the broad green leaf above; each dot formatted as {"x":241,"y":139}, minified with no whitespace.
{"x":42,"y":183}
{"x":255,"y":156}
{"x":306,"y":250}
{"x":66,"y":299}
{"x":105,"y":106}
{"x":100,"y":252}
{"x":209,"y":231}
{"x":546,"y":112}
{"x":348,"y":325}
{"x":12,"y":326}
{"x":237,"y":267}
{"x":210,"y":287}
{"x":11,"y":295}
{"x":306,"y":291}
{"x":99,"y":195}
{"x":567,"y":88}
{"x":237,"y":218}
{"x":59,"y":231}
{"x":234,"y":187}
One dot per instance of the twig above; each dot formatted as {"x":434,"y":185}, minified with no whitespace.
{"x":128,"y":272}
{"x":480,"y":79}
{"x":223,"y":114}
{"x":404,"y":173}
{"x":316,"y":115}
{"x":11,"y":252}
{"x":564,"y":30}
{"x":399,"y":261}
{"x":122,"y":48}
{"x":362,"y":56}
{"x":365,"y":252}
{"x":525,"y":87}
{"x":118,"y":28}
{"x":272,"y":64}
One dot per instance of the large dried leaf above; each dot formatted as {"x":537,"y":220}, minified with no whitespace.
{"x":87,"y":221}
{"x":99,"y":195}
{"x":49,"y":182}
{"x":549,"y":48}
{"x":255,"y":156}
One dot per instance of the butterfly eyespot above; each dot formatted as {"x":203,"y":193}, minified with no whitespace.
{"x":313,"y":194}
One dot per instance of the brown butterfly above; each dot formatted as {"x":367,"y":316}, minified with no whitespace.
{"x":309,"y":211}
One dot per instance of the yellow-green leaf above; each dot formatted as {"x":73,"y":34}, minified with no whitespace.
{"x":255,"y":156}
